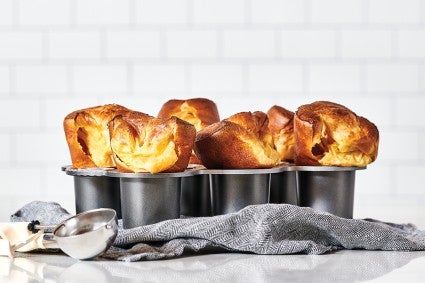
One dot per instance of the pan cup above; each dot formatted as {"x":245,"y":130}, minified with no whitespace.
{"x":96,"y":192}
{"x":232,"y":190}
{"x":149,"y":198}
{"x":283,"y":188}
{"x":195,"y":196}
{"x":328,"y":189}
{"x":146,"y":201}
{"x":93,"y":190}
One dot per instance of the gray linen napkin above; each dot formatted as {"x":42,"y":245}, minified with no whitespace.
{"x":261,"y":229}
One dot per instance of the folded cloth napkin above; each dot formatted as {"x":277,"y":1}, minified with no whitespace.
{"x":261,"y":229}
{"x":16,"y":237}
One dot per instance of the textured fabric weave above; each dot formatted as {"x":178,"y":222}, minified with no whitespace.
{"x":261,"y":229}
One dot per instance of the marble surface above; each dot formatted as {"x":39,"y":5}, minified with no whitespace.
{"x":341,"y":266}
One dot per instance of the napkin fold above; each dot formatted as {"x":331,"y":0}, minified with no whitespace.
{"x":16,"y":237}
{"x":270,"y":229}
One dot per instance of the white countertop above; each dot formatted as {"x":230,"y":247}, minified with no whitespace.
{"x":341,"y":266}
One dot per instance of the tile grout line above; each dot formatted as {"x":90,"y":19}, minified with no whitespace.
{"x":421,"y":149}
{"x":306,"y":79}
{"x":421,"y":74}
{"x":394,"y":177}
{"x":132,"y":13}
{"x":12,"y":151}
{"x":248,"y":13}
{"x":363,"y":78}
{"x":395,"y":50}
{"x":307,"y":13}
{"x":162,"y":44}
{"x":130,"y":78}
{"x":43,"y":180}
{"x":422,"y":11}
{"x":394,"y":117}
{"x":365,"y":12}
{"x":211,"y":60}
{"x":246,"y":69}
{"x":73,"y":14}
{"x":45,"y":45}
{"x":15,"y":14}
{"x":70,"y":79}
{"x":189,"y":13}
{"x":13,"y":148}
{"x":229,"y":26}
{"x":188,"y":78}
{"x":12,"y":80}
{"x":220,"y":45}
{"x":338,"y":44}
{"x":43,"y":118}
{"x":278,"y":43}
{"x":103,"y":48}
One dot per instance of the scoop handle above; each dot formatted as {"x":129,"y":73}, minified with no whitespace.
{"x":35,"y":226}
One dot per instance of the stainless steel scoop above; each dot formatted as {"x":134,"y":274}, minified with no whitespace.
{"x":85,"y":235}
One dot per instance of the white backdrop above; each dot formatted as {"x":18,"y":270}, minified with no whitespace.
{"x":60,"y":55}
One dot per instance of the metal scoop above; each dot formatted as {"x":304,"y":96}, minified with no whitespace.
{"x":85,"y":235}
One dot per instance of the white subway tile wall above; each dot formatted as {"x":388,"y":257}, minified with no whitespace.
{"x":392,"y":78}
{"x":409,"y":114}
{"x":6,"y":145}
{"x":335,"y":11}
{"x":73,"y":44}
{"x":408,"y":143}
{"x":160,"y":11}
{"x":191,"y":44}
{"x":277,"y":11}
{"x":214,"y":79}
{"x":249,"y":43}
{"x":308,"y":43}
{"x":412,"y":43}
{"x":20,"y":115}
{"x":219,"y":11}
{"x":274,"y":78}
{"x":366,"y":43}
{"x":51,"y":80}
{"x":60,"y":55}
{"x":100,"y":79}
{"x":4,"y":81}
{"x":132,"y":44}
{"x":6,"y":15}
{"x":44,"y":12}
{"x":43,"y":148}
{"x":395,"y":11}
{"x":102,"y":12}
{"x":18,"y":45}
{"x":159,"y":78}
{"x":341,"y":79}
{"x":55,"y":108}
